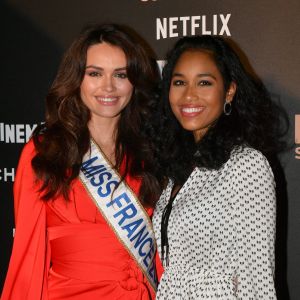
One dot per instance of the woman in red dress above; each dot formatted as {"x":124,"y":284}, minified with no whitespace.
{"x":80,"y":231}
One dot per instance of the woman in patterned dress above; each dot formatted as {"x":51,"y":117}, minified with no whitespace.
{"x":215,"y":220}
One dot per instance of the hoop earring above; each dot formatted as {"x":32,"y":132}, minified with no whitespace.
{"x":227,"y":108}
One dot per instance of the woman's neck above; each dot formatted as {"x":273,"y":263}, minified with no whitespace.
{"x":103,"y":132}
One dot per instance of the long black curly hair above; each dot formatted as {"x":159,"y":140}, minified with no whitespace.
{"x":254,"y":120}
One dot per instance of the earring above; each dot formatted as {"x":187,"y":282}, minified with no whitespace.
{"x":227,"y":108}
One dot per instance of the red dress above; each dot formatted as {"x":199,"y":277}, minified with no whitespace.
{"x":66,"y":250}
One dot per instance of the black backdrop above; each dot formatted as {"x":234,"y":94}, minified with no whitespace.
{"x":35,"y":33}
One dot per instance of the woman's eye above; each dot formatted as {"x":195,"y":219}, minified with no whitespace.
{"x":121,"y":75}
{"x":94,"y":74}
{"x":178,"y":82}
{"x":204,"y":82}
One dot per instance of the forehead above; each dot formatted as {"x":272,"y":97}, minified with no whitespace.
{"x":192,"y":60}
{"x":106,"y":53}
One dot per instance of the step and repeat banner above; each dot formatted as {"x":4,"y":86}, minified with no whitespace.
{"x":35,"y":34}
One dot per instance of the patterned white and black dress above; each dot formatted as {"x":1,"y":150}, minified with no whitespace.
{"x":221,"y":232}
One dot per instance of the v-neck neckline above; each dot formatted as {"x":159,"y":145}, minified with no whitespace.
{"x":181,"y":190}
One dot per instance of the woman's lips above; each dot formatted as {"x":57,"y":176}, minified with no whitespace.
{"x":191,"y":111}
{"x":107,"y":100}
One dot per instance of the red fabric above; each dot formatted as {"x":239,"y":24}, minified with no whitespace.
{"x":159,"y":266}
{"x":66,"y":250}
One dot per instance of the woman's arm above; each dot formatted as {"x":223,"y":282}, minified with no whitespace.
{"x":25,"y":276}
{"x":255,"y":208}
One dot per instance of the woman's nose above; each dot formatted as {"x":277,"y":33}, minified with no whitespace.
{"x":190,"y":93}
{"x":107,"y":84}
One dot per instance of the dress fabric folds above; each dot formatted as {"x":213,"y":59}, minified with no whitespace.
{"x":66,"y":250}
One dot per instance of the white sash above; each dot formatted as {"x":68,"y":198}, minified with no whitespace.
{"x":121,"y":209}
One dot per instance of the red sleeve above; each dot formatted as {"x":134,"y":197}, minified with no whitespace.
{"x":25,"y":276}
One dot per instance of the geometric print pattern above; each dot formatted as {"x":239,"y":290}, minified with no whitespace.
{"x":221,"y":232}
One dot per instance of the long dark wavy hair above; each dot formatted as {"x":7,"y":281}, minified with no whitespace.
{"x":254,"y":120}
{"x":64,"y":138}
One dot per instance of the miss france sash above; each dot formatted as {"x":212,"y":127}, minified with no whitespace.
{"x":121,"y":209}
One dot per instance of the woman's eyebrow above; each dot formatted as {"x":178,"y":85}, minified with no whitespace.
{"x":101,"y":69}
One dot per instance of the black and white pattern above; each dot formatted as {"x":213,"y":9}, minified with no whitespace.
{"x":221,"y":232}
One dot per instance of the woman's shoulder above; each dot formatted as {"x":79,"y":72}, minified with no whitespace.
{"x":29,"y":149}
{"x":247,"y":159}
{"x":27,"y":153}
{"x":246,"y":153}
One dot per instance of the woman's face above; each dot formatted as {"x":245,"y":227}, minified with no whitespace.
{"x":105,"y":88}
{"x":197,"y":92}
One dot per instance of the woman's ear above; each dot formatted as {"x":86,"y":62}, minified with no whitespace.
{"x":231,"y":92}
